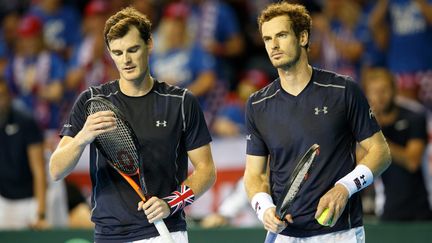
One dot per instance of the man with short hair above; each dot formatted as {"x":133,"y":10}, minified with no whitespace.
{"x":168,"y":123}
{"x":304,"y":106}
{"x":22,"y":167}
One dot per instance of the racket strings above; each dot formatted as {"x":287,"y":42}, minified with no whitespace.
{"x":295,"y":186}
{"x":118,"y":143}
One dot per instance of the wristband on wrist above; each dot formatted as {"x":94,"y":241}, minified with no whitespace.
{"x":357,"y":179}
{"x":260,"y":203}
{"x":179,"y":199}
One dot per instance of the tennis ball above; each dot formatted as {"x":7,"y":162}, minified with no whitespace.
{"x":323,"y":216}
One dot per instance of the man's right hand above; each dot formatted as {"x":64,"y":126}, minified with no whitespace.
{"x":272,"y":223}
{"x":96,"y":124}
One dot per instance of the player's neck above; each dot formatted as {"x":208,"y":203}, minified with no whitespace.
{"x":138,"y":87}
{"x":295,"y":79}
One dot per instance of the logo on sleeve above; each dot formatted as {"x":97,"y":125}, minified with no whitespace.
{"x":371,"y":114}
{"x":248,"y":137}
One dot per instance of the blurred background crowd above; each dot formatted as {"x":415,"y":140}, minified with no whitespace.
{"x":51,"y":50}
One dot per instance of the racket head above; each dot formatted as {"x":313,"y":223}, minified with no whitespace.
{"x":296,"y":181}
{"x":119,"y":146}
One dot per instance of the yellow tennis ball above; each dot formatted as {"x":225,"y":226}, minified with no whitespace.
{"x":323,"y":216}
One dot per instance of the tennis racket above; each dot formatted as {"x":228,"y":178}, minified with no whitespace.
{"x":121,"y":149}
{"x":298,"y":176}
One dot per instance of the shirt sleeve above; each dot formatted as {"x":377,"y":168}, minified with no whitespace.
{"x":255,"y":144}
{"x":418,"y":127}
{"x":34,"y":134}
{"x":359,"y":113}
{"x":195,"y":127}
{"x":77,"y":116}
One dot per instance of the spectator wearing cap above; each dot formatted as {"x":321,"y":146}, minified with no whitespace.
{"x":230,"y":120}
{"x":179,"y":61}
{"x":91,"y":64}
{"x":36,"y":74}
{"x":61,"y":25}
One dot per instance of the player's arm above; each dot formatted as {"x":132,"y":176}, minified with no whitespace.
{"x":377,"y":157}
{"x":37,"y":167}
{"x":375,"y":161}
{"x":201,"y":179}
{"x":255,"y":175}
{"x":69,"y":150}
{"x":256,"y":179}
{"x":204,"y":174}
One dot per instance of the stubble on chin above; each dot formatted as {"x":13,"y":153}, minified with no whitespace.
{"x":288,"y":64}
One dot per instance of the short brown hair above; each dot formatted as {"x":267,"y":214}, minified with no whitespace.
{"x":299,"y":16}
{"x":372,"y":74}
{"x":119,"y":24}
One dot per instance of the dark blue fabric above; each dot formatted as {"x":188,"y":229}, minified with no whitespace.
{"x":20,"y":131}
{"x":165,"y":161}
{"x":406,"y":197}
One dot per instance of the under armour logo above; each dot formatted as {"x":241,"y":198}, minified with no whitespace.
{"x":357,"y":183}
{"x":161,"y":123}
{"x":323,"y":110}
{"x":257,"y":207}
{"x":248,"y":137}
{"x":363,"y":179}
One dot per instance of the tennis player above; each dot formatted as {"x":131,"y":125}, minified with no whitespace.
{"x":167,"y":121}
{"x":303,"y":106}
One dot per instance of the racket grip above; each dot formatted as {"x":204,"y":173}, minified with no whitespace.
{"x":163,"y":231}
{"x":271,"y":237}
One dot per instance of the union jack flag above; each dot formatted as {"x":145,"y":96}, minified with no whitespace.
{"x":180,"y":199}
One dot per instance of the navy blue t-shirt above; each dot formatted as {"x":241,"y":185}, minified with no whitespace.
{"x":331,"y":111}
{"x":168,"y":122}
{"x":19,"y":132}
{"x":406,"y":196}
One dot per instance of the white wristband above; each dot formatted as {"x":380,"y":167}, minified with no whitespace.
{"x":260,"y":203}
{"x":357,"y":179}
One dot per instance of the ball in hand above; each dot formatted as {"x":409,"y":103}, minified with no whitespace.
{"x":323,"y":216}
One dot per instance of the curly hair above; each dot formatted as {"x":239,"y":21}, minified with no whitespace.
{"x":119,"y":24}
{"x":299,"y":16}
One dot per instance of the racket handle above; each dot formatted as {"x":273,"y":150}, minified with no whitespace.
{"x":160,"y":225}
{"x":271,"y":237}
{"x":135,"y":186}
{"x":163,"y":231}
